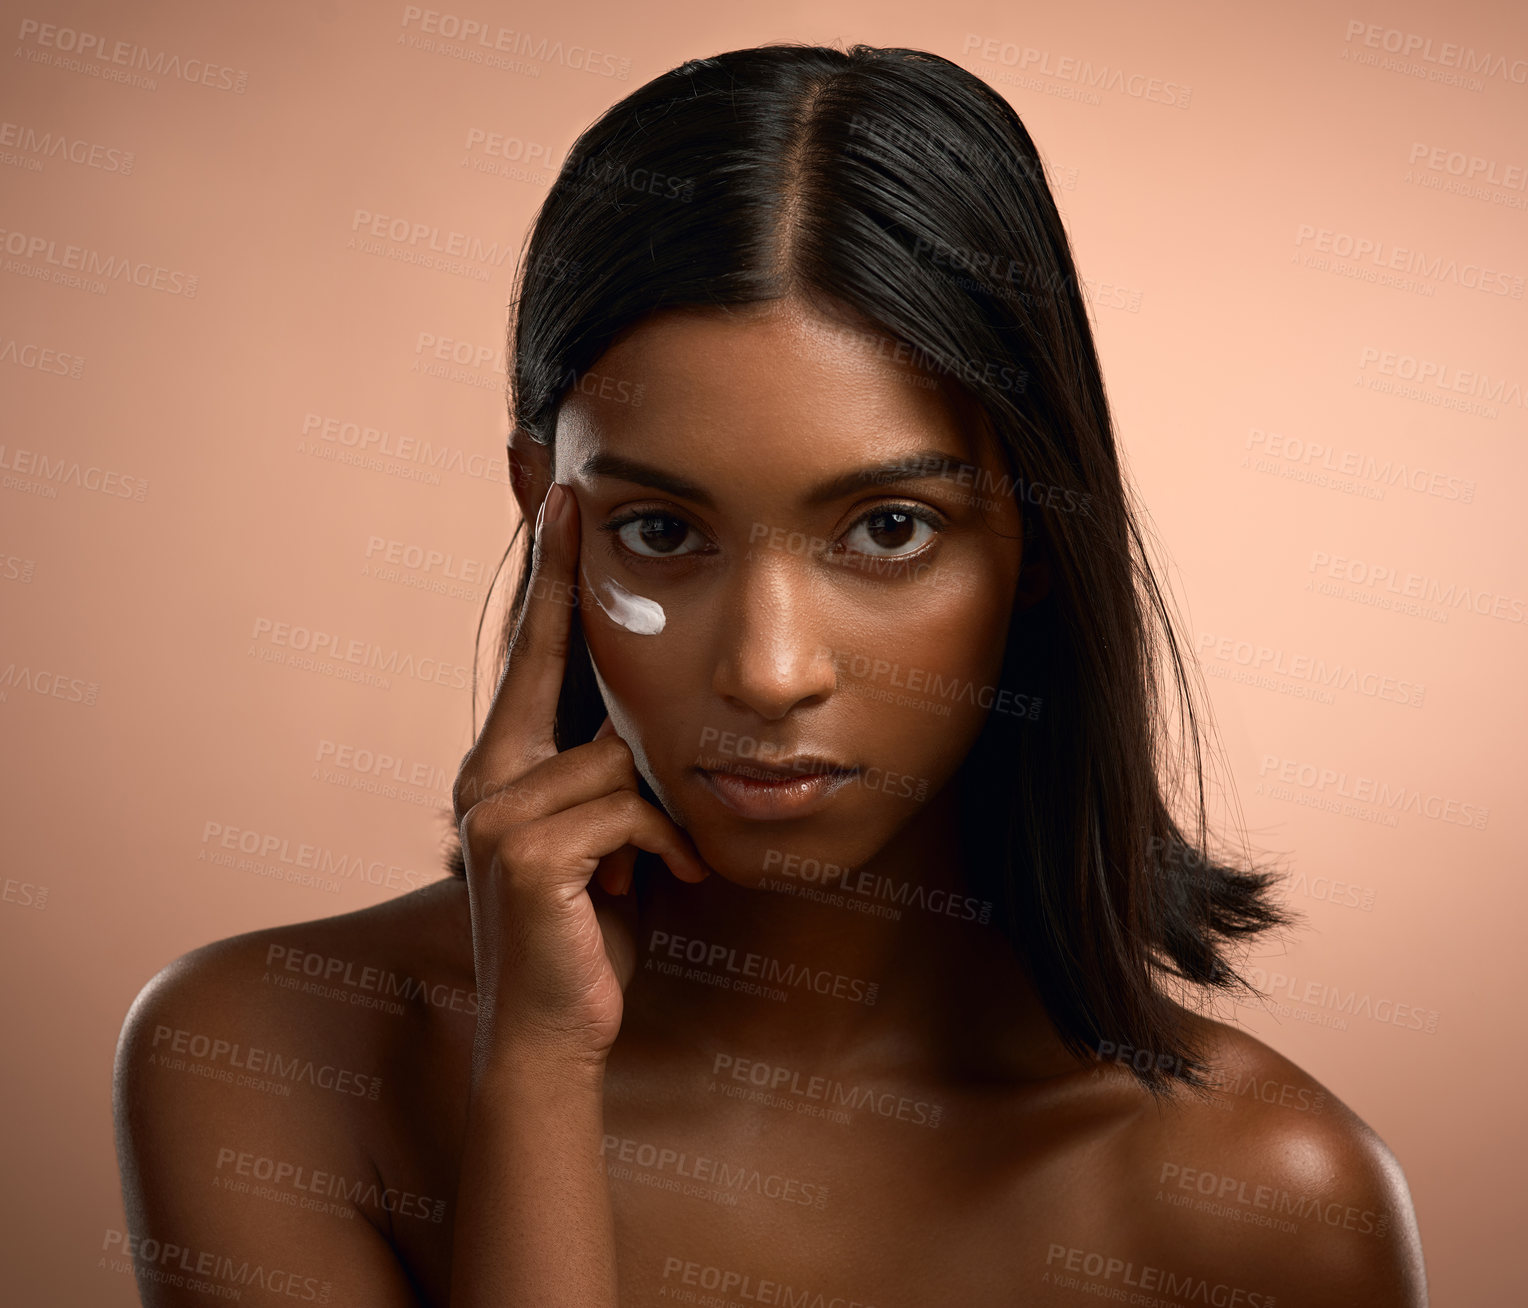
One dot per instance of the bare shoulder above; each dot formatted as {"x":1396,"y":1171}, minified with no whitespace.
{"x":1271,"y":1185}
{"x":247,"y":1006}
{"x":259,"y":1085}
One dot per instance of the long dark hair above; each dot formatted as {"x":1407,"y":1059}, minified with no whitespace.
{"x":893,"y":188}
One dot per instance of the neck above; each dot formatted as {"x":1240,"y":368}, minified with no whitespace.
{"x":895,"y":967}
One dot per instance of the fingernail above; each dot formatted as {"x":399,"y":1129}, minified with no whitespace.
{"x":559,"y":506}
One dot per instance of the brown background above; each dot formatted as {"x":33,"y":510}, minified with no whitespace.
{"x":138,"y":706}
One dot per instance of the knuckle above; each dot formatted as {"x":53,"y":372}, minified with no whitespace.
{"x":536,"y":750}
{"x":619,"y":749}
{"x":612,"y":758}
{"x":630,"y":805}
{"x":463,"y":796}
{"x":476,"y":825}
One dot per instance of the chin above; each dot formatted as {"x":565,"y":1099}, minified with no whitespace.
{"x":812,"y":851}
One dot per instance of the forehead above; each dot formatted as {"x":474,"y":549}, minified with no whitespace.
{"x":774,"y":387}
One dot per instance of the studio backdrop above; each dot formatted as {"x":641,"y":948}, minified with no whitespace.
{"x":253,"y":492}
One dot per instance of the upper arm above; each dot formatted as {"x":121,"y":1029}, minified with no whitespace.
{"x":238,"y":1171}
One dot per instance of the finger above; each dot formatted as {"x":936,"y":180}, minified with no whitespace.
{"x":565,"y":780}
{"x":558,"y":855}
{"x":518,"y":731}
{"x":616,"y":871}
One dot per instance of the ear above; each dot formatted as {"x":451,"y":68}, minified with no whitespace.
{"x":530,"y":472}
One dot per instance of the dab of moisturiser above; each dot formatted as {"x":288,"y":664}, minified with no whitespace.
{"x":637,"y":614}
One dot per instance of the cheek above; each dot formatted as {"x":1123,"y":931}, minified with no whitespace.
{"x":633,"y":644}
{"x":618,"y":604}
{"x":926,"y":675}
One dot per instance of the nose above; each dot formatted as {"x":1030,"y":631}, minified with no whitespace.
{"x":771,"y":659}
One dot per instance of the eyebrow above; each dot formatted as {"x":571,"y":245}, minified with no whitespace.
{"x":919,"y":465}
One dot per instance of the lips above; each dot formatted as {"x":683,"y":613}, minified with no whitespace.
{"x":800,"y":765}
{"x":786,"y":788}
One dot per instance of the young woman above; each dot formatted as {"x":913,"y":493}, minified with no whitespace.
{"x":830,"y":917}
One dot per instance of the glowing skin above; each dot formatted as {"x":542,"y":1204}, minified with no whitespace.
{"x":802,"y":597}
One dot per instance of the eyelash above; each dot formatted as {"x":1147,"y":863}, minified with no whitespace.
{"x":918,"y":511}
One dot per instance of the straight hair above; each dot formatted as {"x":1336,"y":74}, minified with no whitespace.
{"x":898,"y":193}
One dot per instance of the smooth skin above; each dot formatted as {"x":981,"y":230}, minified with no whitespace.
{"x":570,"y":1109}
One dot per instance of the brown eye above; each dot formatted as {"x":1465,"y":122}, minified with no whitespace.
{"x":655,"y":535}
{"x":890,"y":532}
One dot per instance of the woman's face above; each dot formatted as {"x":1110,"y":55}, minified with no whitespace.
{"x":831,"y":553}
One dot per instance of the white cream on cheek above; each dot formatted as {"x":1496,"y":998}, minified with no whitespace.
{"x":636,"y":613}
